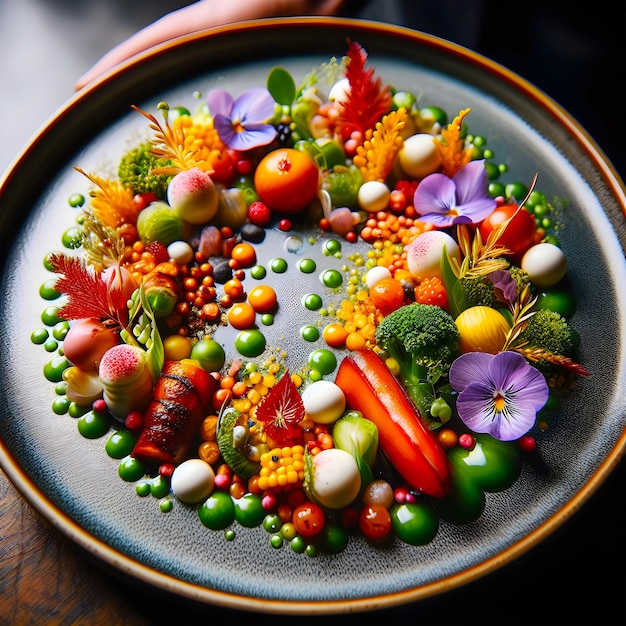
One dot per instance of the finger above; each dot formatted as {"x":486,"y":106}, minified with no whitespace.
{"x":201,"y":15}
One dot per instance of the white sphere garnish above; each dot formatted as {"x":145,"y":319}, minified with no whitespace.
{"x":336,"y":478}
{"x":181,"y":252}
{"x":425,"y":251}
{"x":419,"y":156}
{"x":339,"y":90}
{"x":373,"y":196}
{"x":376,"y":274}
{"x":324,"y":402}
{"x":545,"y":264}
{"x":192,"y":481}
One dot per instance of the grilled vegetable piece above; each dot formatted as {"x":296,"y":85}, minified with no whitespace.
{"x":173,"y":417}
{"x":404,"y":437}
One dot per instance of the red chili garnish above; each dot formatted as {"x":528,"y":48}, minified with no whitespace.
{"x":367,"y":101}
{"x":88,"y":295}
{"x":281,"y":409}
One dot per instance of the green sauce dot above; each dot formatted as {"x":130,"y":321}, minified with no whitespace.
{"x":76,"y":200}
{"x":312,"y":301}
{"x":298,"y":545}
{"x":315,"y":375}
{"x":50,"y":316}
{"x":76,"y":410}
{"x":53,"y":369}
{"x":331,"y":278}
{"x":73,"y":238}
{"x":278,"y":265}
{"x":322,"y":360}
{"x":267,"y":319}
{"x":93,"y":425}
{"x":60,"y":388}
{"x":143,"y":488}
{"x":276,"y":541}
{"x":60,"y":330}
{"x":258,"y":272}
{"x":51,"y":345}
{"x":120,"y":444}
{"x":159,"y":487}
{"x":39,"y":336}
{"x":47,"y":290}
{"x":166,"y":505}
{"x":229,"y":534}
{"x":272,"y":523}
{"x":332,"y":247}
{"x":310,"y":333}
{"x":250,"y":342}
{"x":61,"y":405}
{"x":307,"y":266}
{"x":131,"y":470}
{"x":311,"y":550}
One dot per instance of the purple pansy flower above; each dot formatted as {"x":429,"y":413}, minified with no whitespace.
{"x":241,"y":122}
{"x":499,"y":394}
{"x":464,"y":199}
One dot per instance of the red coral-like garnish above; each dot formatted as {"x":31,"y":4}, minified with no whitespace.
{"x":88,"y":295}
{"x":281,"y":410}
{"x":367,"y":101}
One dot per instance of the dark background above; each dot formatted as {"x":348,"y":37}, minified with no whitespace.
{"x":575,"y":56}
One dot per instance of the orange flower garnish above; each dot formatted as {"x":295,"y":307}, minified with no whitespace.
{"x":451,"y":146}
{"x":376,"y":156}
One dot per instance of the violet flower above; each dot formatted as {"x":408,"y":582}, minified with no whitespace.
{"x":499,"y":394}
{"x":241,"y":122}
{"x":464,"y":199}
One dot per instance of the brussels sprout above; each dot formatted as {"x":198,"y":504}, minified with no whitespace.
{"x":159,"y":222}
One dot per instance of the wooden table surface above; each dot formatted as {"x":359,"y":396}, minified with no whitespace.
{"x":46,"y":580}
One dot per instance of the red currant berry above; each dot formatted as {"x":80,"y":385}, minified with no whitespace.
{"x":259,"y":214}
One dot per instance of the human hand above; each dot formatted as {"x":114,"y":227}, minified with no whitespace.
{"x":200,"y":15}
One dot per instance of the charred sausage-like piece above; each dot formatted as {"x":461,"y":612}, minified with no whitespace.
{"x":175,"y":413}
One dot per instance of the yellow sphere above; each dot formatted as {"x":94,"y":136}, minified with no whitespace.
{"x":176,"y":348}
{"x":482,"y":329}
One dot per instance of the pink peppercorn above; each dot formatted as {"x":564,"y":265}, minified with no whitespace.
{"x":467,"y":441}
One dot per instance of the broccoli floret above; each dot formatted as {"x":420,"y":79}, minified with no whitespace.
{"x":478,"y":291}
{"x":519,"y":276}
{"x":423,"y":339}
{"x":550,"y":330}
{"x":135,"y":171}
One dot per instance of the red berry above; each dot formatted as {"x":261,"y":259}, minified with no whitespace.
{"x":142,"y":200}
{"x":166,"y":470}
{"x":527,"y":443}
{"x":158,"y":250}
{"x":284,"y":225}
{"x":467,"y":441}
{"x":134,"y":421}
{"x":99,"y":406}
{"x":259,"y":214}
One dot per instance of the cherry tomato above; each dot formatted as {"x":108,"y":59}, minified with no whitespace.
{"x":262,"y":298}
{"x":335,"y":335}
{"x":520,"y":232}
{"x":375,"y":522}
{"x":241,"y":316}
{"x":244,"y":253}
{"x":309,"y":519}
{"x":387,"y":295}
{"x":286,"y":180}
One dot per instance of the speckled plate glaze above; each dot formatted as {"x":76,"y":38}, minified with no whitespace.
{"x":73,"y":484}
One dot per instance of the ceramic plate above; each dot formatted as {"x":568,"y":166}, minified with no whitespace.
{"x":72,"y":482}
